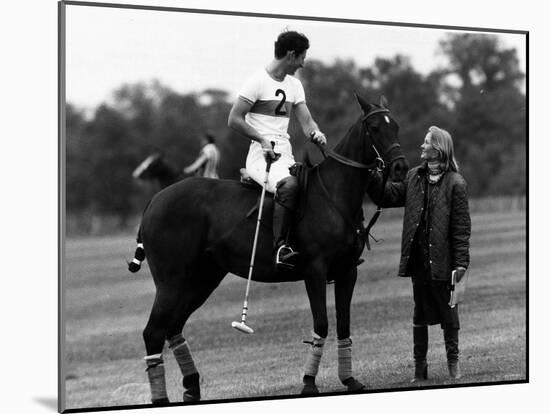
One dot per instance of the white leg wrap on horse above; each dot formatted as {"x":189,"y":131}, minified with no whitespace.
{"x":344,"y":359}
{"x":155,"y":372}
{"x":314,"y":358}
{"x":182,"y":353}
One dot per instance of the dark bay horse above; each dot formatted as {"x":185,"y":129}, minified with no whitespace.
{"x":196,"y":231}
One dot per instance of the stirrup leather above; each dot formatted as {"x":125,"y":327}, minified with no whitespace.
{"x":284,"y":255}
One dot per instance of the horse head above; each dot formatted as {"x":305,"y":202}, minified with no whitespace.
{"x":381,"y":141}
{"x":156,"y":167}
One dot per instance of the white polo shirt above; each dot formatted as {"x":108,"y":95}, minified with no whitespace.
{"x":272,"y":102}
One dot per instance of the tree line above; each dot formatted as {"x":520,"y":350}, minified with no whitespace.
{"x":477,"y":96}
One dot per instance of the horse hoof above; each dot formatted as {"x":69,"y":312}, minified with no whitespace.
{"x":354,"y":385}
{"x":161,"y":401}
{"x":191,"y":396}
{"x":191,"y":388}
{"x":310,"y":389}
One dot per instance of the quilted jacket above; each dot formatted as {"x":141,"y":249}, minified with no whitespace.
{"x":448,"y":218}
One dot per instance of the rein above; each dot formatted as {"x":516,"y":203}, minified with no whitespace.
{"x":378,"y":165}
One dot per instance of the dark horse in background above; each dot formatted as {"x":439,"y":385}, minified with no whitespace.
{"x":196,"y":231}
{"x":157,"y":168}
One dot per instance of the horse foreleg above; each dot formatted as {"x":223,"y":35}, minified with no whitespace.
{"x":317,"y":294}
{"x":343,"y":292}
{"x":311,"y":367}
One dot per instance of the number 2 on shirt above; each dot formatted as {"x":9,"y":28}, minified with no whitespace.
{"x":278,"y":110}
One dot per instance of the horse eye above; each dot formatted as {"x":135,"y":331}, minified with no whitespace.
{"x":386,"y":119}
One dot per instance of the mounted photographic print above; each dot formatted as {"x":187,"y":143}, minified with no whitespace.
{"x":262,"y":206}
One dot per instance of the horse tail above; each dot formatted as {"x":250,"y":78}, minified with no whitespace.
{"x":139,"y":255}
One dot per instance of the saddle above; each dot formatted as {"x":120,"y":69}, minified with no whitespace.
{"x":303,"y":172}
{"x":247,"y":181}
{"x":298,"y":170}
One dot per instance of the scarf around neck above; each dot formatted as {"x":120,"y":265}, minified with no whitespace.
{"x":435,"y":172}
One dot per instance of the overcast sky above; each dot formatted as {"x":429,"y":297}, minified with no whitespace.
{"x":189,"y":52}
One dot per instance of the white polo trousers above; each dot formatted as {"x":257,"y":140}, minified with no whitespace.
{"x":256,"y":163}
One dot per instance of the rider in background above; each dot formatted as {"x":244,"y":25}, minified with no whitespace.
{"x":206,"y":164}
{"x":262,"y":114}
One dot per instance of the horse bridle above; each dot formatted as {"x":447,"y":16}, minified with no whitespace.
{"x":378,"y":164}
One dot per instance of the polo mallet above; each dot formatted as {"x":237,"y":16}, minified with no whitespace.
{"x":242,"y":326}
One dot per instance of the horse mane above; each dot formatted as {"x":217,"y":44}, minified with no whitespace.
{"x":341,"y":146}
{"x":342,"y":143}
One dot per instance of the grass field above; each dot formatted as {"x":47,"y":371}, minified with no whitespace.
{"x":107,"y":308}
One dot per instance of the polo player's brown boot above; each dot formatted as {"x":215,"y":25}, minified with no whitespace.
{"x":420,"y":352}
{"x":451,"y":347}
{"x":285,"y":257}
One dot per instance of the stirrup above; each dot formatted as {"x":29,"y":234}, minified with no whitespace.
{"x":284,"y":256}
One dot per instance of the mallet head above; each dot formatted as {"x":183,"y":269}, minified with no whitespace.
{"x":242,"y":327}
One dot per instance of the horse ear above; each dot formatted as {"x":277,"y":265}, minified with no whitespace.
{"x":365,"y":106}
{"x":383,"y":102}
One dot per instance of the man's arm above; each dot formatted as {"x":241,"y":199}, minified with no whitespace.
{"x":237,"y":122}
{"x":196,"y":164}
{"x":309,"y":126}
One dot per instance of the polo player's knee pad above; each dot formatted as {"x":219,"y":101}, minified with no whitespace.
{"x":286,"y":193}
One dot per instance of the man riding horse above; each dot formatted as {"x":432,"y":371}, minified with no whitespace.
{"x":196,"y":231}
{"x":262,"y":113}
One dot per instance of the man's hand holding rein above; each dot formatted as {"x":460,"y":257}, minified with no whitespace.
{"x":318,"y":137}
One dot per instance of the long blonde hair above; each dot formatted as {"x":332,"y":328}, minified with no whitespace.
{"x":442,"y":142}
